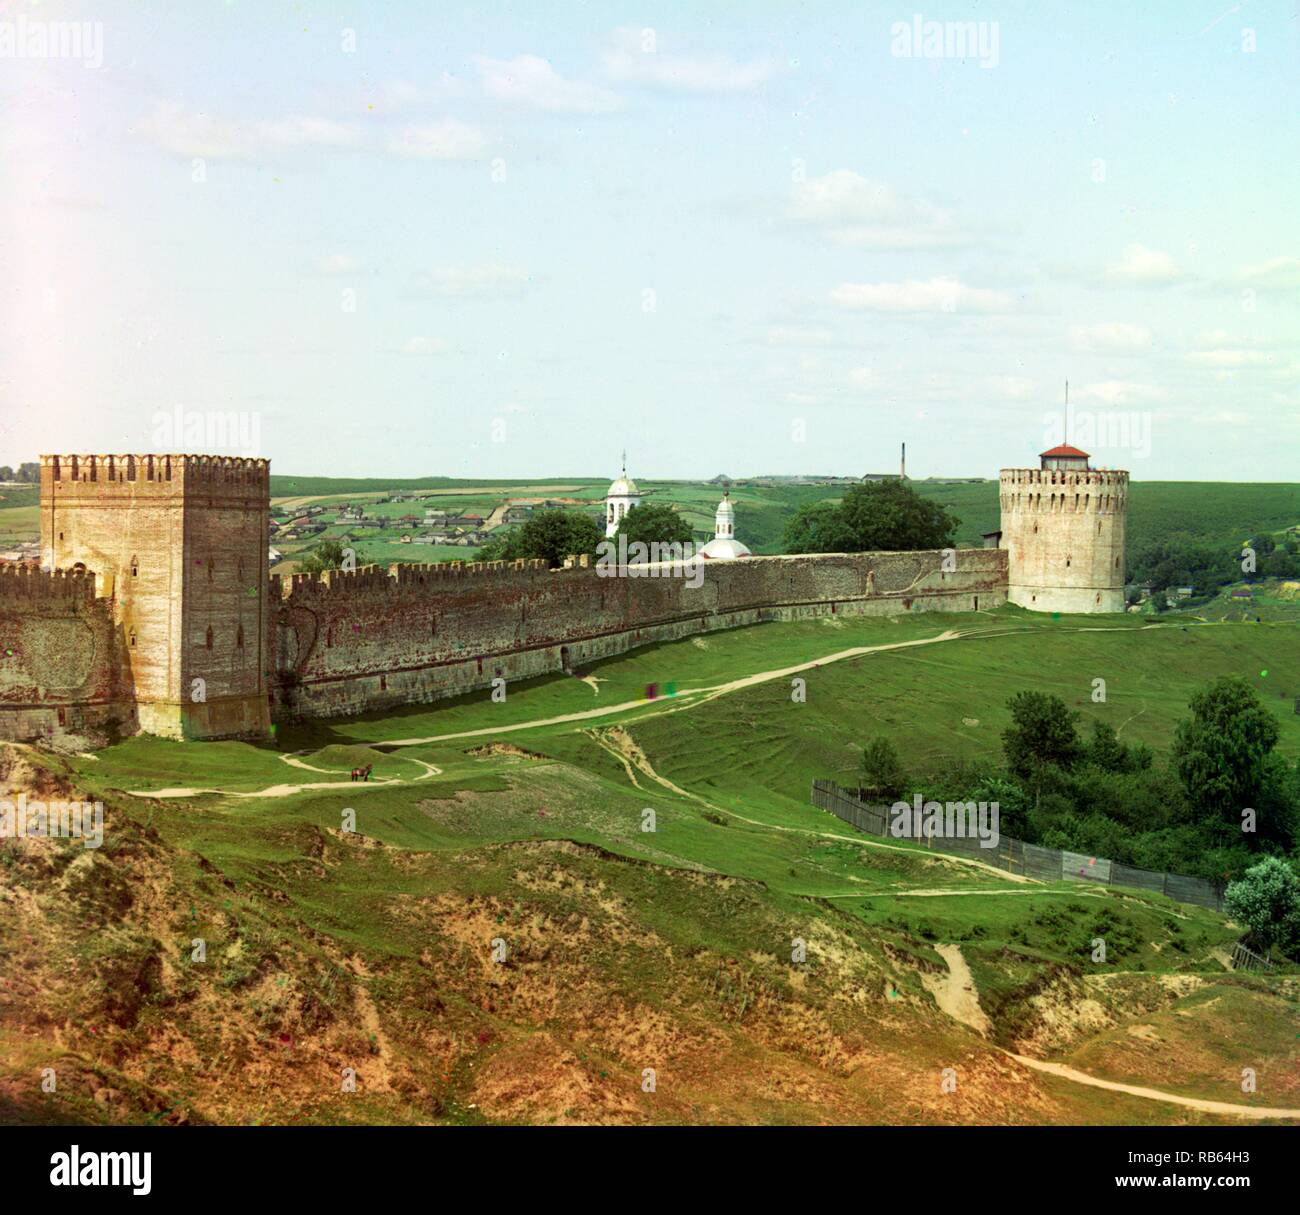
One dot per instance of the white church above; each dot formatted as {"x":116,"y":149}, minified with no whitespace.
{"x":624,"y":496}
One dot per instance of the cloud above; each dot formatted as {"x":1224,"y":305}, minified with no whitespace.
{"x":445,"y":140}
{"x":1282,"y":273}
{"x":854,"y":211}
{"x":914,"y":296}
{"x":783,"y":336}
{"x":422,"y":346}
{"x":337,"y":264}
{"x":531,"y":81}
{"x":633,"y":57}
{"x":1012,"y":387}
{"x":1226,"y":357}
{"x":184,"y":133}
{"x":1144,"y":267}
{"x":1111,"y":338}
{"x":470,"y":281}
{"x":1121,"y":392}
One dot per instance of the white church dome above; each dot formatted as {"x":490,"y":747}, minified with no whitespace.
{"x":724,"y":546}
{"x":723,"y":549}
{"x":622,"y":487}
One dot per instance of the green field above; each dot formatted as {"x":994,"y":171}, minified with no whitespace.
{"x":1213,"y":512}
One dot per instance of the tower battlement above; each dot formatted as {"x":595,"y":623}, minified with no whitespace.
{"x":433,"y":577}
{"x":1054,"y":490}
{"x":154,"y":474}
{"x":31,"y":584}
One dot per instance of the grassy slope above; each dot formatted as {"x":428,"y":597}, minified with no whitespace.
{"x":627,"y":949}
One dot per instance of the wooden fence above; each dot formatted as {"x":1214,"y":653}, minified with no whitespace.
{"x":1015,"y":856}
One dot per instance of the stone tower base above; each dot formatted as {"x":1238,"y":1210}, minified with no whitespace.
{"x":1070,"y":600}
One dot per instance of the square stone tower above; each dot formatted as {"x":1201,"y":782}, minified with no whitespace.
{"x":179,"y":545}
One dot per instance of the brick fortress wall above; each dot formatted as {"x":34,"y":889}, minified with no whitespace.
{"x":58,"y":657}
{"x":374,"y":639}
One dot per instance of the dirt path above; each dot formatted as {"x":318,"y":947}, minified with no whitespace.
{"x":620,"y":744}
{"x":691,"y":698}
{"x":955,"y":992}
{"x":1153,"y":1094}
{"x":288,"y":790}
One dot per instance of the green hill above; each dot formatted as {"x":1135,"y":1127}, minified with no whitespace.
{"x":626,"y":949}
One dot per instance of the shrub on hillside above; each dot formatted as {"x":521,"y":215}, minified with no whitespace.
{"x":1267,"y":901}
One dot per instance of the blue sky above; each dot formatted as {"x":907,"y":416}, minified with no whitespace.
{"x":511,"y":240}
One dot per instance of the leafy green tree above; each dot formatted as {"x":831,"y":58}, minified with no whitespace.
{"x":328,"y":555}
{"x":1267,"y":901}
{"x":880,"y":516}
{"x":1105,"y":751}
{"x":6,"y":473}
{"x":1042,"y":732}
{"x":503,"y":546}
{"x":817,"y":528}
{"x":653,"y":523}
{"x":553,"y":535}
{"x":1221,"y":754}
{"x":883,"y":777}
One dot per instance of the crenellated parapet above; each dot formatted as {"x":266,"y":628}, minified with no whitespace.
{"x":156,"y":474}
{"x":1063,"y":491}
{"x":431,"y":578}
{"x":30,"y":585}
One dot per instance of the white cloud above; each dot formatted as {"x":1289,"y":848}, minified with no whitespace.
{"x":532,"y":81}
{"x":933,"y":295}
{"x":1012,"y":387}
{"x":782,"y":336}
{"x":1121,"y":392}
{"x":1144,"y":267}
{"x":1114,"y":337}
{"x":485,"y":280}
{"x":337,"y":264}
{"x":855,"y":211}
{"x":422,"y":346}
{"x":1226,"y":357}
{"x":445,"y":140}
{"x":862,"y":378}
{"x":1280,"y":273}
{"x":635,"y":57}
{"x":185,"y":133}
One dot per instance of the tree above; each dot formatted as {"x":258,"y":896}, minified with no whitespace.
{"x":1105,"y":751}
{"x":880,"y":516}
{"x":328,"y":555}
{"x":1267,"y":901}
{"x":1221,"y":753}
{"x":818,"y":528}
{"x":1042,"y":732}
{"x":553,"y":535}
{"x":654,"y":524}
{"x":883,"y":777}
{"x":6,"y":473}
{"x":503,"y":546}
{"x":30,"y":472}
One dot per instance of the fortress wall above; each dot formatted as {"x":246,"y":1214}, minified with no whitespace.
{"x":352,"y":642}
{"x":58,"y":645}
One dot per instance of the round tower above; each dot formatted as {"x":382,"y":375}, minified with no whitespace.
{"x":1063,"y":527}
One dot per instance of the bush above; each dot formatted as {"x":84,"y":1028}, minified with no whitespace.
{"x":1267,"y":901}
